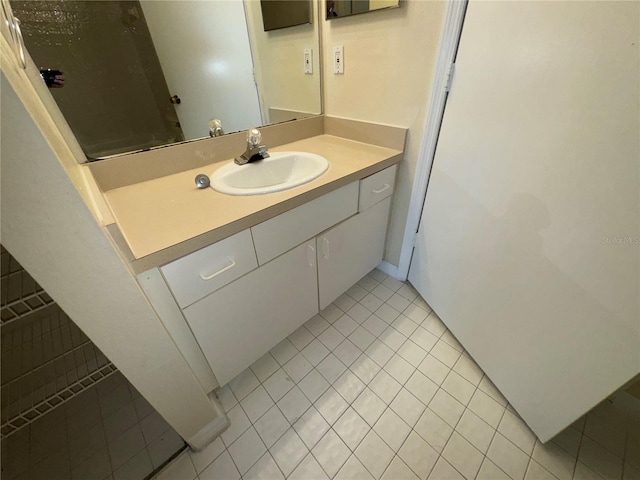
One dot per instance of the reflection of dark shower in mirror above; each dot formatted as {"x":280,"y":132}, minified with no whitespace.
{"x":123,"y":62}
{"x":115,"y":97}
{"x":345,"y":8}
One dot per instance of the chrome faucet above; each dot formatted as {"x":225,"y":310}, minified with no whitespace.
{"x":254,"y":151}
{"x":215,"y":128}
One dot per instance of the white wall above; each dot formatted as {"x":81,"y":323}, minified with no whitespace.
{"x":390,"y":58}
{"x":278,"y":60}
{"x":48,"y":228}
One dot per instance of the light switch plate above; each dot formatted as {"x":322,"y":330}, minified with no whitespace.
{"x":338,"y":60}
{"x":308,"y":61}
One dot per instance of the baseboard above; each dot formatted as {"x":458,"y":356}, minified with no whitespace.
{"x":212,"y":430}
{"x":391,"y":270}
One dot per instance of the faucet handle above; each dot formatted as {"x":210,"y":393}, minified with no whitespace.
{"x":254,"y":137}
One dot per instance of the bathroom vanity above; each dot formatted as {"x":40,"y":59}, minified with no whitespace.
{"x":232,"y":276}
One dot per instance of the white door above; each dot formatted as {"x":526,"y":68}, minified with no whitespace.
{"x":528,"y":243}
{"x":203,"y":47}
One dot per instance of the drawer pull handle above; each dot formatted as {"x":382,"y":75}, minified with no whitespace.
{"x":325,"y":247}
{"x":219,"y":272}
{"x":311,"y":255}
{"x":386,"y":187}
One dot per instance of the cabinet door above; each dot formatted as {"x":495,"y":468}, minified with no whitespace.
{"x":350,"y":250}
{"x":240,"y":322}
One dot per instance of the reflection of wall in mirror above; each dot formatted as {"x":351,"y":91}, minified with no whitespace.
{"x":285,"y":90}
{"x":204,"y":51}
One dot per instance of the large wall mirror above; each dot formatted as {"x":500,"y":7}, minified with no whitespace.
{"x":346,"y":8}
{"x":141,"y":74}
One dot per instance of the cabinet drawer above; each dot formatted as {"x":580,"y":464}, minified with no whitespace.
{"x":197,"y":275}
{"x":282,"y":233}
{"x":376,"y":187}
{"x":242,"y":321}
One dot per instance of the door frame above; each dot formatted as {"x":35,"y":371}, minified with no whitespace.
{"x":449,"y":40}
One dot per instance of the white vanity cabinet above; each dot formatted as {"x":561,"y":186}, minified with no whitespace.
{"x":241,"y":296}
{"x":240,"y":322}
{"x":350,"y":250}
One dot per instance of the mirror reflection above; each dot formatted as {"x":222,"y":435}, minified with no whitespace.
{"x":345,"y":8}
{"x":132,"y":75}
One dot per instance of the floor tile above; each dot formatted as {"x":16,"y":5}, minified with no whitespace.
{"x":311,"y":427}
{"x":582,"y":472}
{"x":357,"y":292}
{"x":412,"y":353}
{"x":490,"y":389}
{"x":181,"y":468}
{"x":445,"y":353}
{"x":288,"y":451}
{"x":365,"y":368}
{"x":359,"y":313}
{"x":599,"y":459}
{"x":137,"y":467}
{"x":452,"y":340}
{"x":316,"y":325}
{"x":222,"y":468}
{"x":514,"y":429}
{"x":433,"y":429}
{"x":239,"y":424}
{"x":419,"y":456}
{"x":226,"y":397}
{"x":278,"y":384}
{"x":331,"y":313}
{"x":301,"y":338}
{"x":256,"y":404}
{"x":434,"y":325}
{"x":264,"y":367}
{"x":284,"y":351}
{"x":382,"y":292}
{"x":313,"y":385}
{"x":459,"y":388}
{"x":247,"y":450}
{"x":271,"y":426}
{"x":308,"y":469}
{"x":387,"y":313}
{"x":264,"y":469}
{"x":164,"y":446}
{"x":392,"y":338}
{"x":569,"y":440}
{"x":331,"y":453}
{"x":446,"y":407}
{"x":346,"y":325}
{"x":331,"y":368}
{"x":379,"y":353}
{"x":486,"y":408}
{"x":421,"y":387}
{"x":425,"y":339}
{"x":331,"y":338}
{"x":490,"y":471}
{"x":351,"y":428}
{"x":349,"y":386}
{"x":298,"y":367}
{"x":126,"y":446}
{"x":434,"y":369}
{"x":375,"y":325}
{"x":293,"y":404}
{"x":371,"y":302}
{"x":463,"y":456}
{"x":554,"y":459}
{"x":331,"y":405}
{"x":468,"y":369}
{"x":392,"y":429}
{"x":385,"y":387}
{"x":508,"y":457}
{"x":605,"y":433}
{"x":244,"y":384}
{"x":399,"y":369}
{"x":475,"y":430}
{"x":369,"y":406}
{"x":203,"y":458}
{"x":353,"y":470}
{"x":408,"y":407}
{"x":361,"y":338}
{"x":535,"y":471}
{"x":398,"y":302}
{"x":444,"y":471}
{"x":315,"y":352}
{"x":374,"y":454}
{"x":347,"y":352}
{"x":404,"y":325}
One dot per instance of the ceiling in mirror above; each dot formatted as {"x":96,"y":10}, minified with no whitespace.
{"x":345,"y":8}
{"x":141,"y":74}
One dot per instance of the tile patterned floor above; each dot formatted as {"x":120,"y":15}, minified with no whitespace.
{"x":375,"y":386}
{"x":108,"y":432}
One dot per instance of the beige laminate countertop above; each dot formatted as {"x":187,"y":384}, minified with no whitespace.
{"x":168,"y":217}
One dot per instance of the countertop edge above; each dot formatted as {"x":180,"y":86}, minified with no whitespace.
{"x":191,"y":245}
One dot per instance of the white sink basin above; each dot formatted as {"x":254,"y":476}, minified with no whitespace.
{"x":281,"y":171}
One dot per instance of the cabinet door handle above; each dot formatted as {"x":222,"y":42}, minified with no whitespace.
{"x":386,"y":187}
{"x":311,"y":255}
{"x":219,"y":272}
{"x":325,"y":247}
